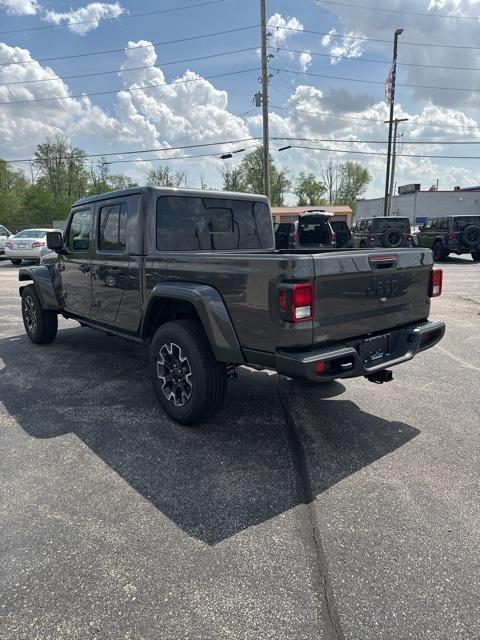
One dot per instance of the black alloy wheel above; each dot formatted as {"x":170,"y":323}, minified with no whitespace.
{"x":189,"y":382}
{"x":175,"y":373}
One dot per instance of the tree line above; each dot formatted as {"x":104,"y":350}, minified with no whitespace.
{"x":59,"y":174}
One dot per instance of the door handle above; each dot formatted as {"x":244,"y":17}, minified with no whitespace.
{"x":84,"y":268}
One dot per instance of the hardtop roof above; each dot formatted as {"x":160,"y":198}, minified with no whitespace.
{"x":171,"y":191}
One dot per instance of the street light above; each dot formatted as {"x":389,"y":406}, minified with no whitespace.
{"x":226,"y":156}
{"x":391,"y":99}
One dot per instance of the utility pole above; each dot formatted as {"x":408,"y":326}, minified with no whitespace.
{"x":266,"y":142}
{"x":393,"y":73}
{"x":394,"y":159}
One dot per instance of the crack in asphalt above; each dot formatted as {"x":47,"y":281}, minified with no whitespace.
{"x":325,"y":594}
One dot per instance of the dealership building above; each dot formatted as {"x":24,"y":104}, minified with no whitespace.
{"x":419,"y":205}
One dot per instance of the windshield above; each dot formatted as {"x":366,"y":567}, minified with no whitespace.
{"x":460,"y":223}
{"x":31,"y":233}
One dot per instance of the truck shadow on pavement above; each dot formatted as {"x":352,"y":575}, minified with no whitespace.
{"x":212,"y":481}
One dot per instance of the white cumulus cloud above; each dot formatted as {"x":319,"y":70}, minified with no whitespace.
{"x":280,"y":28}
{"x":346,"y":46}
{"x":83,"y":20}
{"x":20,"y":7}
{"x":305,"y":60}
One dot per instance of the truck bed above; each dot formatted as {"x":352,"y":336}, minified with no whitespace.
{"x":357,"y":292}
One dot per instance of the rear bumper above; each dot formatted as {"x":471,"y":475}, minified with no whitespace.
{"x":342,"y":360}
{"x":26,"y":254}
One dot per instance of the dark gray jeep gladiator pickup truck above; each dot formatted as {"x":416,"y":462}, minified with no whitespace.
{"x":195,"y":276}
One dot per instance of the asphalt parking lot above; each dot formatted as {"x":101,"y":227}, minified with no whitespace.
{"x":350,"y":512}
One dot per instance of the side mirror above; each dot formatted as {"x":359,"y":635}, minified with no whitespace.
{"x":55,"y":241}
{"x":421,"y":227}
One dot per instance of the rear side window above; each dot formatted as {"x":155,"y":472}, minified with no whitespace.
{"x":460,"y":223}
{"x":112,"y":228}
{"x":79,"y":231}
{"x":203,"y":224}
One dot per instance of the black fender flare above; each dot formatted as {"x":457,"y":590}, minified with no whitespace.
{"x":44,"y":285}
{"x":212,"y":311}
{"x":440,"y":238}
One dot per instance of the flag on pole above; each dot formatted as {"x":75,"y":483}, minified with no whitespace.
{"x":389,"y":85}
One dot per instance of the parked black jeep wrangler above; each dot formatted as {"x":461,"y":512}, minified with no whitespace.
{"x":389,"y":232}
{"x":452,"y":234}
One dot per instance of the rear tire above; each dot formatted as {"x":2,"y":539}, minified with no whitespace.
{"x":439,"y":252}
{"x":40,"y":325}
{"x":476,"y":255}
{"x":190,"y":384}
{"x":16,"y":262}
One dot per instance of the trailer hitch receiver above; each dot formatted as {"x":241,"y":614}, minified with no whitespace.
{"x":379,"y":377}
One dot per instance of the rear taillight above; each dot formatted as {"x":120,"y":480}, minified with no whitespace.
{"x":451,"y":237}
{"x":293,"y":237}
{"x":8,"y":245}
{"x":409,"y":236}
{"x":334,"y":238}
{"x":436,"y":282}
{"x":371,"y":238}
{"x":35,"y":245}
{"x":295,"y":301}
{"x":302,"y":302}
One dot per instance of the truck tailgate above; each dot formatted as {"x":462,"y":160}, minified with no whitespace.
{"x":363,"y":292}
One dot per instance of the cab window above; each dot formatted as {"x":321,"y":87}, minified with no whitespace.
{"x":112,"y":228}
{"x":78,"y":237}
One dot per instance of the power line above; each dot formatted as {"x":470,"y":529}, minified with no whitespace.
{"x":379,"y":153}
{"x":132,"y":89}
{"x":414,"y":142}
{"x":397,"y":11}
{"x":417,"y":86}
{"x":122,"y":17}
{"x":368,"y":39}
{"x":385,"y":62}
{"x":154,"y":150}
{"x":379,"y":122}
{"x":124,"y":49}
{"x":149,"y":66}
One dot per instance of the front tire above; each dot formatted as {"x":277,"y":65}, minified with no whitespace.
{"x":16,"y":262}
{"x":40,"y":325}
{"x":439,"y":252}
{"x":190,"y":384}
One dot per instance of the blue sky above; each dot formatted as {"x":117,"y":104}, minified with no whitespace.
{"x":208,"y":110}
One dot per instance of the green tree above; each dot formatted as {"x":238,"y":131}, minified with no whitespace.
{"x":61,"y":169}
{"x":233,"y":178}
{"x":248,"y":177}
{"x":345,"y":182}
{"x":353,"y":183}
{"x":164,"y":177}
{"x":308,"y":190}
{"x":13,"y":186}
{"x":102,"y":181}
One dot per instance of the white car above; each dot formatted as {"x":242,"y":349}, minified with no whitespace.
{"x":30,"y":244}
{"x":4,"y":235}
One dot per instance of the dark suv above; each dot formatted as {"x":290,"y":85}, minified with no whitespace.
{"x":312,"y":230}
{"x":389,"y":232}
{"x":452,"y":234}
